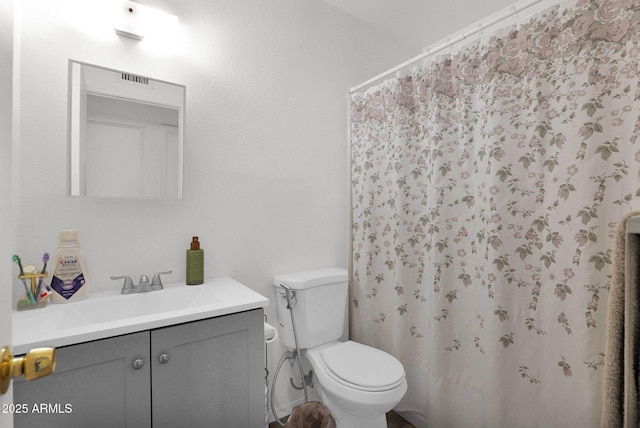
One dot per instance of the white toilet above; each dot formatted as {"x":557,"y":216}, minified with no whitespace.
{"x":358,"y":384}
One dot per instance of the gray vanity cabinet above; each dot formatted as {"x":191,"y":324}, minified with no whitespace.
{"x":94,"y":385}
{"x":207,"y":373}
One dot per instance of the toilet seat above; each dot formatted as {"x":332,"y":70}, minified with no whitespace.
{"x":362,"y":367}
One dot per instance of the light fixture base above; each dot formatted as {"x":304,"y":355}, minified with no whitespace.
{"x":124,"y":33}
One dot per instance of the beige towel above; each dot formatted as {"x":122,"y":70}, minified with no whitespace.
{"x":620,"y":398}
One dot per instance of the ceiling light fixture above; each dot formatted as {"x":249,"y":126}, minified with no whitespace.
{"x":137,"y":21}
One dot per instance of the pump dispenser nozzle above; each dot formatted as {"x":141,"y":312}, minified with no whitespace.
{"x":195,"y":244}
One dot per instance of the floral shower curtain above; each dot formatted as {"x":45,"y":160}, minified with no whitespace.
{"x":486,"y":186}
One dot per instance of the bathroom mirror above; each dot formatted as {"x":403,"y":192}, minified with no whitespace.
{"x":125,"y":134}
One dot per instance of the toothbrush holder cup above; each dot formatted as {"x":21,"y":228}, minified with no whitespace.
{"x":35,"y":294}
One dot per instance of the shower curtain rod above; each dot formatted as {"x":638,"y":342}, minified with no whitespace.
{"x":450,"y":41}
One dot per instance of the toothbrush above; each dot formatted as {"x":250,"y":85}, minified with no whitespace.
{"x":45,"y":259}
{"x":39,"y":292}
{"x":17,"y":261}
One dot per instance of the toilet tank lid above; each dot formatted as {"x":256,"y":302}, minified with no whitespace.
{"x":311,"y":278}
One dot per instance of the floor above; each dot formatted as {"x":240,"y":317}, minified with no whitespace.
{"x":393,"y":421}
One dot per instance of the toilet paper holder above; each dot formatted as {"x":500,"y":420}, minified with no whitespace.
{"x":270,"y":333}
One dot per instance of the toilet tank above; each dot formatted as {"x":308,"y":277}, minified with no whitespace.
{"x":320,"y":309}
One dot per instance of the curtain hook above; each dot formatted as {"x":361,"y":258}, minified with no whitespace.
{"x":450,"y":47}
{"x":515,"y":14}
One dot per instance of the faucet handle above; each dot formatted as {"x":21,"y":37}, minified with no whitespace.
{"x":128,"y":283}
{"x":144,"y":280}
{"x":156,"y":278}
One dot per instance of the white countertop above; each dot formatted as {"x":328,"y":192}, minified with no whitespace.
{"x":109,"y":313}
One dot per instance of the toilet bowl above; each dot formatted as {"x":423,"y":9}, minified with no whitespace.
{"x":357,"y":383}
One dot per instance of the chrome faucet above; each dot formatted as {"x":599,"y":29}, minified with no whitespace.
{"x":144,"y":285}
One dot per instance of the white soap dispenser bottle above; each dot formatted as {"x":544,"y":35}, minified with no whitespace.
{"x":69,"y":280}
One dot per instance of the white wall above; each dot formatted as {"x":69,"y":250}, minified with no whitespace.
{"x":6,"y":232}
{"x":265,"y":161}
{"x":448,"y":17}
{"x":420,"y":23}
{"x":265,"y":146}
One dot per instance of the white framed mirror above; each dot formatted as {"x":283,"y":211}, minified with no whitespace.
{"x":126,"y":134}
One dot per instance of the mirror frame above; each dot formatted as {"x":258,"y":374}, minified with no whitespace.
{"x":74,"y":169}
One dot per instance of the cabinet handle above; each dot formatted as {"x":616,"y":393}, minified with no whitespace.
{"x":163,"y":358}
{"x":138,"y":363}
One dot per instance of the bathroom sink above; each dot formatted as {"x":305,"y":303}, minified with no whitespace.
{"x":119,"y":307}
{"x":109,"y":313}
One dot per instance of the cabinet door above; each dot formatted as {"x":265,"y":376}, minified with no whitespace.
{"x":209,"y":373}
{"x":94,"y":385}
